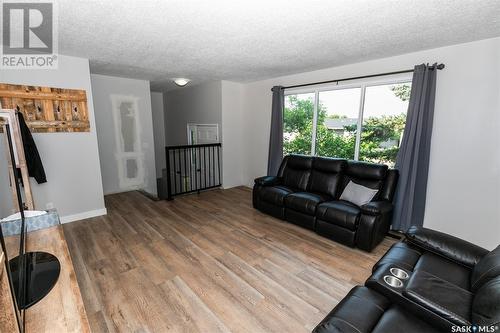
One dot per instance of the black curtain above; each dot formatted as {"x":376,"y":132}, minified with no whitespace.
{"x":413,"y":157}
{"x":276,"y":135}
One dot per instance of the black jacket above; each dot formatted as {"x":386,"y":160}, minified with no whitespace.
{"x":33,"y":160}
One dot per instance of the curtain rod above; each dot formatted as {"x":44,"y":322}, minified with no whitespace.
{"x":437,"y":66}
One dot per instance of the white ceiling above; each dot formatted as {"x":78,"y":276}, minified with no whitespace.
{"x":251,"y":40}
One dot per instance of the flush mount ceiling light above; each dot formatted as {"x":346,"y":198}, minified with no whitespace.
{"x":181,"y":82}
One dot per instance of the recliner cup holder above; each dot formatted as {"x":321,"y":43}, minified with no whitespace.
{"x":393,"y":281}
{"x":399,"y":273}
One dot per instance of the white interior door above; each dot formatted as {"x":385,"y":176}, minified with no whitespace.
{"x":202,"y":133}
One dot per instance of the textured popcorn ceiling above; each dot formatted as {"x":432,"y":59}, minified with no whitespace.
{"x":251,"y":40}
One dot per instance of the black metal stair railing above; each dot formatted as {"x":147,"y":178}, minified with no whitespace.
{"x":192,"y":168}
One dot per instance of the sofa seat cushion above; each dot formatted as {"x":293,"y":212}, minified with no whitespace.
{"x":359,"y":311}
{"x":486,"y":303}
{"x":340,"y":213}
{"x":397,"y":320}
{"x":305,"y":202}
{"x":364,"y":310}
{"x":444,"y":269}
{"x":275,"y":194}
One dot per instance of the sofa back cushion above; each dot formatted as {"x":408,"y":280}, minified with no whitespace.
{"x":326,"y":175}
{"x":486,"y":304}
{"x":367,"y":174}
{"x":486,"y":269}
{"x":295,"y":171}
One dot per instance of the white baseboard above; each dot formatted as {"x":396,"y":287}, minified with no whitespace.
{"x":121,"y":191}
{"x":227,"y":187}
{"x":83,"y":216}
{"x":153,"y":193}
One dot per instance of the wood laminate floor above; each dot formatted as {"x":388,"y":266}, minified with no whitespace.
{"x":207,"y":263}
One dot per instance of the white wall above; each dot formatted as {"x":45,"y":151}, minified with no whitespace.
{"x":200,"y":104}
{"x":158,"y":131}
{"x":103,"y":87}
{"x":463,"y":196}
{"x":220,"y":103}
{"x":232,"y":139}
{"x":71,"y":160}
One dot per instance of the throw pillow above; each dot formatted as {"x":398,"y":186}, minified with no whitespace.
{"x":358,"y":194}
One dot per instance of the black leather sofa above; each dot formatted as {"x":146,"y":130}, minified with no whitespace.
{"x":306,"y":192}
{"x":452,"y":286}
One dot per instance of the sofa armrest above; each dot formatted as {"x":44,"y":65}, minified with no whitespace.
{"x":267,"y":181}
{"x":441,"y":297}
{"x":372,"y":229}
{"x":451,"y":247}
{"x":377,"y":207}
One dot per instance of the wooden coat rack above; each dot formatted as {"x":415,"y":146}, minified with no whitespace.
{"x":17,"y":141}
{"x":47,"y":109}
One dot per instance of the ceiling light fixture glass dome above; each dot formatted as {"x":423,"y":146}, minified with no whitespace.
{"x":181,"y":82}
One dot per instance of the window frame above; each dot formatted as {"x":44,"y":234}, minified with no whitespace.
{"x":339,"y":86}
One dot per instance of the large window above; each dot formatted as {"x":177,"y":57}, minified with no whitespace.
{"x":298,"y":124}
{"x":362,"y":122}
{"x":338,"y":113}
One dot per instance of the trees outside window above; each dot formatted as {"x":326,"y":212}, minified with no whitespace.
{"x":333,"y":132}
{"x":298,"y":124}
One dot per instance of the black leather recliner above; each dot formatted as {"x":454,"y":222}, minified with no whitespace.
{"x":452,"y":285}
{"x":307,"y":189}
{"x":364,"y":310}
{"x":445,"y":256}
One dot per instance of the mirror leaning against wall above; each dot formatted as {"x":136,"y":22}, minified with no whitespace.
{"x":25,"y":276}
